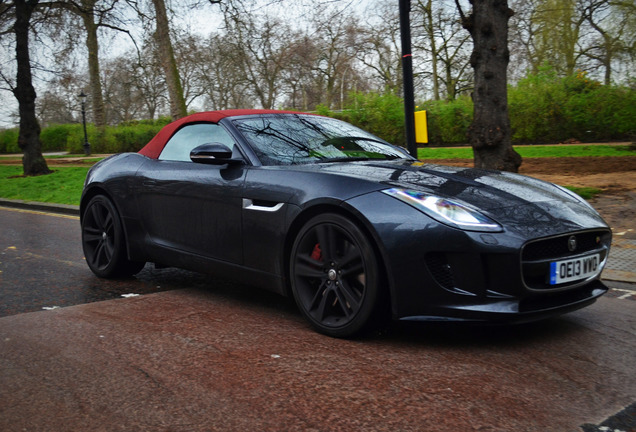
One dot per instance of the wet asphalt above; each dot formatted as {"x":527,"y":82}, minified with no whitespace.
{"x":43,"y":265}
{"x":172,"y":350}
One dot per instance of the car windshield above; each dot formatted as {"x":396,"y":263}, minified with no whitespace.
{"x":285,"y":139}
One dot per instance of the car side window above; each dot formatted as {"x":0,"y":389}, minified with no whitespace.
{"x":178,"y":148}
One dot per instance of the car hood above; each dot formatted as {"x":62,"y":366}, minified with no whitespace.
{"x":530,"y":204}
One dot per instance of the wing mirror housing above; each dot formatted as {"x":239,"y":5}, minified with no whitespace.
{"x":213,"y":154}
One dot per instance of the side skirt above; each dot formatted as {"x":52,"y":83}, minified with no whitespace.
{"x":166,"y":257}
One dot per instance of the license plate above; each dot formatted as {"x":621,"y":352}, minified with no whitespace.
{"x":574,"y":269}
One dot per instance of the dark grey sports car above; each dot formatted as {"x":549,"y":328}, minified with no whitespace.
{"x":348,"y":224}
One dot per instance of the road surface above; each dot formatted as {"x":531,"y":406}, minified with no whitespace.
{"x":172,"y":350}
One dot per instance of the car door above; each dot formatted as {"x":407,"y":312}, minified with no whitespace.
{"x":193,"y":207}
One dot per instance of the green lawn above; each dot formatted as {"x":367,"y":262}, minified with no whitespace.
{"x":64,"y":186}
{"x":585,"y":192}
{"x":537,"y":151}
{"x":81,"y":159}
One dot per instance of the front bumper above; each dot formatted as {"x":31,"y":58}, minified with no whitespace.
{"x":515,"y":311}
{"x":435,"y":272}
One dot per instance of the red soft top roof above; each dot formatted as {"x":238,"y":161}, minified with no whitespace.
{"x":155,"y":146}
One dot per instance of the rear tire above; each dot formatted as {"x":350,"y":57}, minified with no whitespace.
{"x":104,"y":242}
{"x":334,"y":276}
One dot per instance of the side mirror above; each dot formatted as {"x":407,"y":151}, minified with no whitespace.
{"x":213,"y":154}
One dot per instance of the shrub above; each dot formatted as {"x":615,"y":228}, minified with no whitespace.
{"x":380,"y":114}
{"x":535,"y":108}
{"x":546,"y":108}
{"x":100,"y":140}
{"x":448,"y":121}
{"x":161,"y":121}
{"x":55,"y":137}
{"x":602,"y":113}
{"x":9,"y":141}
{"x":132,"y":138}
{"x":75,"y":139}
{"x":114,"y":139}
{"x":383,"y":115}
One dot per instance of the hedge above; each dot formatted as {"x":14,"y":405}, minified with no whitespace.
{"x":9,"y":141}
{"x":543,"y":107}
{"x":380,"y":114}
{"x":128,"y":136}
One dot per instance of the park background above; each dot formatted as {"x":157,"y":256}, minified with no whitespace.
{"x":570,"y":73}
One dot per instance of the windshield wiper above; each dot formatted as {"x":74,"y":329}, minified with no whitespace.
{"x":345,"y":159}
{"x":384,"y":157}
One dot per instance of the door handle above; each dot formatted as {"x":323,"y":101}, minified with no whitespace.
{"x":264,"y":206}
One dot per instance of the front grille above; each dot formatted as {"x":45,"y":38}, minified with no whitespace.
{"x":557,"y":247}
{"x":537,"y":255}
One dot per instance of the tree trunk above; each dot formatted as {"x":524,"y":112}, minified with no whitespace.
{"x":451,"y":87}
{"x":489,"y":134}
{"x":33,"y":162}
{"x":430,"y":31}
{"x":173,"y":82}
{"x":92,"y":45}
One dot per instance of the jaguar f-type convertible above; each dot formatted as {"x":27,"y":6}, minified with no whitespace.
{"x":352,"y":227}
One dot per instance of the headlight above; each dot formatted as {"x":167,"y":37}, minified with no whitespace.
{"x":445,"y":211}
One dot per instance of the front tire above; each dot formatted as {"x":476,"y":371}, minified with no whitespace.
{"x":104,"y":242}
{"x":334,"y":275}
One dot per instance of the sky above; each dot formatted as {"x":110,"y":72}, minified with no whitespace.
{"x":195,"y":19}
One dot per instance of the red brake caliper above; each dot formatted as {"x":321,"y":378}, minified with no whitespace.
{"x":316,"y":254}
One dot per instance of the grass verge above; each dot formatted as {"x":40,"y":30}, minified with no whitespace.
{"x":63,"y":186}
{"x":542,"y":151}
{"x":586,"y":193}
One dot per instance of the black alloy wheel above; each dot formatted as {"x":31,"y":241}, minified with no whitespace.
{"x":334,"y":275}
{"x":103,"y":240}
